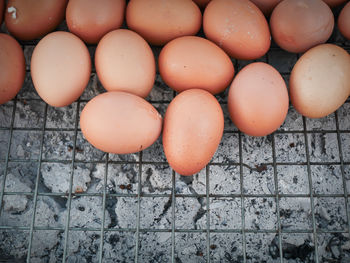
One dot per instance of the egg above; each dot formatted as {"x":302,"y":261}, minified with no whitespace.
{"x":334,"y":3}
{"x":91,"y":20}
{"x":238,"y":27}
{"x":30,"y":19}
{"x":119,"y":122}
{"x":194,"y":62}
{"x":60,"y":68}
{"x":258,"y":99}
{"x":193,"y":127}
{"x":202,"y":3}
{"x":12,"y":65}
{"x":124,"y":62}
{"x":344,"y":21}
{"x":298,"y":25}
{"x":266,"y":6}
{"x":2,"y":3}
{"x":320,"y":81}
{"x":160,"y":21}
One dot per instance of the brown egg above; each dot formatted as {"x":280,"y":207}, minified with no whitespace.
{"x":12,"y":65}
{"x":266,"y":6}
{"x":298,"y":25}
{"x":194,"y":62}
{"x":238,"y":27}
{"x":160,"y":21}
{"x":30,"y":19}
{"x":258,"y":99}
{"x":344,"y":21}
{"x":202,"y":3}
{"x":2,"y":4}
{"x":91,"y":20}
{"x":334,"y":3}
{"x":125,"y":62}
{"x":320,"y":81}
{"x":193,"y":127}
{"x":119,"y":122}
{"x":60,"y":68}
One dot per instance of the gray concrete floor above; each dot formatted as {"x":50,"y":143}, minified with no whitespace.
{"x":269,"y":177}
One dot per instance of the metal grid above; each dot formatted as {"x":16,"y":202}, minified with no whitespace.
{"x":242,"y":196}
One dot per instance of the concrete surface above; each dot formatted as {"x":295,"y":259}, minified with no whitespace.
{"x":261,"y":182}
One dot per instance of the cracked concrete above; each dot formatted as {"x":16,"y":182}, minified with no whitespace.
{"x":237,"y":184}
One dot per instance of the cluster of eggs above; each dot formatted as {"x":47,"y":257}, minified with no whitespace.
{"x":121,"y":121}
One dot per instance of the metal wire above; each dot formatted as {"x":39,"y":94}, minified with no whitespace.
{"x":173,"y":230}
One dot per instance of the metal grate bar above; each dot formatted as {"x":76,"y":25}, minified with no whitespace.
{"x":164,"y":163}
{"x":2,"y":190}
{"x":146,"y":230}
{"x":208,"y":211}
{"x":310,"y":190}
{"x":343,"y":172}
{"x":277,"y":199}
{"x":66,"y":231}
{"x":139,"y":191}
{"x":225,"y":132}
{"x":104,"y":210}
{"x":173,"y":200}
{"x":243,"y":230}
{"x":277,"y":195}
{"x":36,"y":187}
{"x":178,"y":195}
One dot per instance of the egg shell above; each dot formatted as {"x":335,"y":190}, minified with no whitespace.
{"x":320,"y":81}
{"x":31,"y":19}
{"x":60,"y":68}
{"x":160,"y":21}
{"x":12,"y":65}
{"x":266,"y":6}
{"x":238,"y":27}
{"x":298,"y":25}
{"x":124,"y":62}
{"x":2,"y":4}
{"x":91,"y":20}
{"x":121,"y":123}
{"x":193,"y":127}
{"x":258,"y":99}
{"x":344,"y":21}
{"x":202,"y":3}
{"x":194,"y":62}
{"x":334,"y":3}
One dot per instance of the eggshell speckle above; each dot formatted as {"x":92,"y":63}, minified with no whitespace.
{"x":298,"y":25}
{"x":30,"y":19}
{"x":160,"y":21}
{"x":12,"y":65}
{"x":344,"y":21}
{"x":125,"y":62}
{"x":60,"y":68}
{"x":320,"y":81}
{"x":91,"y":20}
{"x":119,"y":122}
{"x":193,"y":127}
{"x":238,"y":27}
{"x":194,"y":62}
{"x":258,"y":99}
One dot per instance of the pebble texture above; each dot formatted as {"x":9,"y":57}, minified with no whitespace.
{"x":46,"y":154}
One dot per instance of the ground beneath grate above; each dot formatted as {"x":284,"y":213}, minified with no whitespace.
{"x":261,"y":184}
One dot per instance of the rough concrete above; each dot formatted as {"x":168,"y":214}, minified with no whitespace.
{"x":123,"y":174}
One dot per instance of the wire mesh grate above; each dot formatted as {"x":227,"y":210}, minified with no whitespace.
{"x":241,"y":199}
